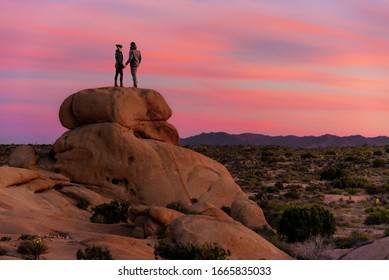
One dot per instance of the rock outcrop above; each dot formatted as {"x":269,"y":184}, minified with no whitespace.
{"x":145,"y":171}
{"x":105,"y":148}
{"x":248,"y":213}
{"x":23,"y":156}
{"x":378,"y":250}
{"x":151,"y":220}
{"x":120,"y":147}
{"x":243,"y":243}
{"x":10,"y":176}
{"x":142,"y":110}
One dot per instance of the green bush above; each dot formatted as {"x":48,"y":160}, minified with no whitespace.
{"x":386,"y":232}
{"x":293,"y":194}
{"x":332,"y":173}
{"x":82,"y":203}
{"x":307,"y":155}
{"x":298,"y":223}
{"x":351,"y":183}
{"x":379,"y":162}
{"x":377,"y":189}
{"x":35,"y":248}
{"x":272,"y":209}
{"x":279,"y":185}
{"x":177,"y":251}
{"x":26,"y":237}
{"x":356,"y":239}
{"x":110,"y":213}
{"x":377,"y":217}
{"x":94,"y":253}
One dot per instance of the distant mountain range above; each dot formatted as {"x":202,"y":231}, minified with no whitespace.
{"x":222,"y":138}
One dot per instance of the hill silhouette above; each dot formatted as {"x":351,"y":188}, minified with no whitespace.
{"x":327,"y":140}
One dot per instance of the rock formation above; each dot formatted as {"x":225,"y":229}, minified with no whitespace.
{"x":23,"y":156}
{"x":243,"y":243}
{"x":120,"y":146}
{"x":144,"y":111}
{"x":114,"y":156}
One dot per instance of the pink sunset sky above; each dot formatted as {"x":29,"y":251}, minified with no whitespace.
{"x":275,"y":67}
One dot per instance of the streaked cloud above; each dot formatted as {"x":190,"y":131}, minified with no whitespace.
{"x":272,"y":67}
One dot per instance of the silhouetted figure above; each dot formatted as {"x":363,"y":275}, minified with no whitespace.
{"x":134,"y":60}
{"x":119,"y":65}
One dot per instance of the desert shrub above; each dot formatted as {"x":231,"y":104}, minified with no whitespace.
{"x":332,"y":173}
{"x":288,"y":154}
{"x":82,"y":203}
{"x":356,"y":239}
{"x":279,"y":185}
{"x":351,"y":158}
{"x":3,"y":252}
{"x":352,"y":191}
{"x":275,"y":239}
{"x":377,"y":189}
{"x":378,"y":216}
{"x":5,"y":238}
{"x":307,"y":155}
{"x":35,"y":247}
{"x":379,"y":162}
{"x":378,"y":153}
{"x":386,"y":232}
{"x":330,"y":153}
{"x":272,"y":209}
{"x":94,"y":253}
{"x":314,"y":248}
{"x":110,"y":213}
{"x":226,"y":209}
{"x":26,"y":237}
{"x":177,"y":251}
{"x":314,"y":188}
{"x":293,"y":194}
{"x":351,"y":183}
{"x":298,"y":223}
{"x":270,"y":189}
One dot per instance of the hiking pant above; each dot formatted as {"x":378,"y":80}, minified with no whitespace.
{"x":119,"y":71}
{"x":133,"y":74}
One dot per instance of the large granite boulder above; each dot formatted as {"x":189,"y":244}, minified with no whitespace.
{"x":248,"y":213}
{"x":10,"y":176}
{"x":142,"y":109}
{"x":120,"y":145}
{"x":23,"y":156}
{"x":243,"y":243}
{"x":147,"y":171}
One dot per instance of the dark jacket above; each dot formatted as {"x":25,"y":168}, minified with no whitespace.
{"x":134,"y":57}
{"x":119,"y":59}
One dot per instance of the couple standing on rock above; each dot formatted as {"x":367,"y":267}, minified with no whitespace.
{"x":134,"y":60}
